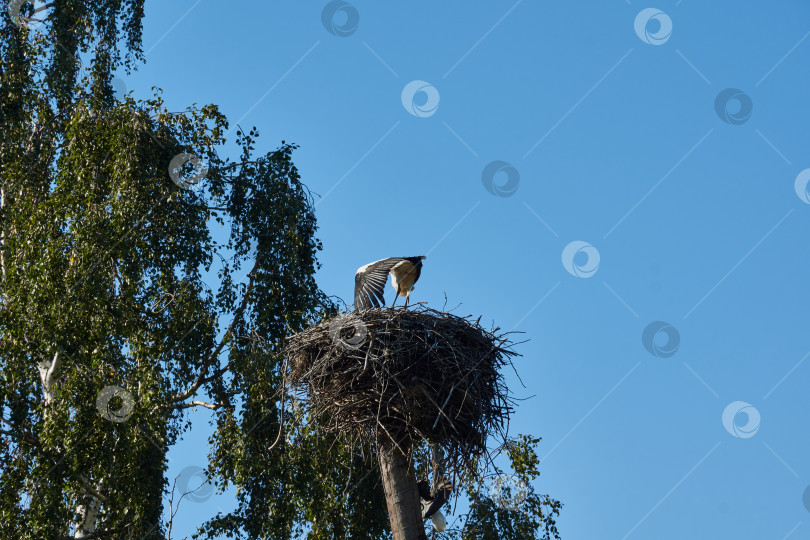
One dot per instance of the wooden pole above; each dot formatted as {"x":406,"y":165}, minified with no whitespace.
{"x":401,"y":493}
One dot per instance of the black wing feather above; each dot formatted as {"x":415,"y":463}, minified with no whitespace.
{"x":369,"y":285}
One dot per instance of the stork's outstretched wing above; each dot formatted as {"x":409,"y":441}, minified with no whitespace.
{"x":369,"y":282}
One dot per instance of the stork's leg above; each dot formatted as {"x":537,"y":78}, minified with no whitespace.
{"x":406,"y":300}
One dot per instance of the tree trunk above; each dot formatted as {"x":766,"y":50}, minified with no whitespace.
{"x":401,"y":493}
{"x":88,"y":509}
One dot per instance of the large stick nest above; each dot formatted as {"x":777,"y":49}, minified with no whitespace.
{"x":410,"y":374}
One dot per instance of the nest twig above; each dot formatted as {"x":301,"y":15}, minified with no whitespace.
{"x":411,"y":374}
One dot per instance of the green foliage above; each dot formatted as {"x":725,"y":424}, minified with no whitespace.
{"x":496,"y":503}
{"x":511,"y":508}
{"x":111,"y":324}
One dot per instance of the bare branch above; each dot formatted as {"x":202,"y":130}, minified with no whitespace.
{"x":49,"y":5}
{"x":199,"y":403}
{"x":174,"y":509}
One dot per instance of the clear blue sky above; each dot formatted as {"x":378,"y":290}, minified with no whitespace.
{"x":615,"y":139}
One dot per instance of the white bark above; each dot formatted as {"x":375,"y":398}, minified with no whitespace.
{"x":3,"y":236}
{"x":88,"y":509}
{"x":47,"y":370}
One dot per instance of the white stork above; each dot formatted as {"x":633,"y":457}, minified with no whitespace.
{"x":369,"y":281}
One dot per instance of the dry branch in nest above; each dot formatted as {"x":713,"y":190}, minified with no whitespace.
{"x":410,"y":374}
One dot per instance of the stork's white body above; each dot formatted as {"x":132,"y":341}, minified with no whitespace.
{"x":439,"y":522}
{"x":403,"y":276}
